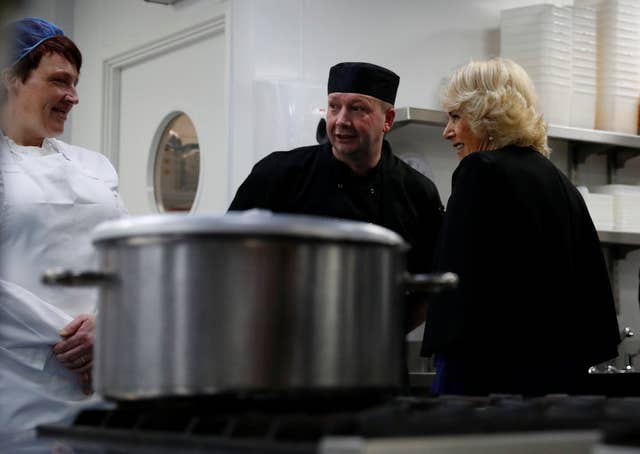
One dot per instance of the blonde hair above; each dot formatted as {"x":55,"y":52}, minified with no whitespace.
{"x":499,"y":101}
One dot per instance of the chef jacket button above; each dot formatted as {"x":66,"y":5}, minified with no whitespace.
{"x":339,"y":185}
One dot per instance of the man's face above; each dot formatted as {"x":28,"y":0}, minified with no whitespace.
{"x":42,"y":103}
{"x":356,"y":124}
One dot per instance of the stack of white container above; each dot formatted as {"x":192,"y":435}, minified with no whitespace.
{"x":626,"y":205}
{"x":600,"y":208}
{"x":619,"y":65}
{"x":584,"y":68}
{"x":583,"y":59}
{"x":539,"y":38}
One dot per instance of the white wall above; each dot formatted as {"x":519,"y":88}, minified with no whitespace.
{"x":103,"y":29}
{"x":299,"y":40}
{"x":58,"y":11}
{"x":106,"y":28}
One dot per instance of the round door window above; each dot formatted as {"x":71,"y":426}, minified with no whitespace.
{"x":177,"y":165}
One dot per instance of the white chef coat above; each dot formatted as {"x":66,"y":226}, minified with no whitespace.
{"x":51,"y":198}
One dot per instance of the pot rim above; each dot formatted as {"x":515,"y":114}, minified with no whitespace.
{"x":254,"y":223}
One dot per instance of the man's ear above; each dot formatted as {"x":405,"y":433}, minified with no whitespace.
{"x":389,"y":118}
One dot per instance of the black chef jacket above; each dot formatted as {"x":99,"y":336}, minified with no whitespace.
{"x":534,"y":301}
{"x":310,"y":180}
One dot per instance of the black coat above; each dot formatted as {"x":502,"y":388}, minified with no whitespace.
{"x":534,"y":287}
{"x":310,"y":180}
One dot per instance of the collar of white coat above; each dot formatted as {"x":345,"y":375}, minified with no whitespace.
{"x":48,"y":144}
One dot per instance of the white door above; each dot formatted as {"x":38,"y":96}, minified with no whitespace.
{"x":189,"y":79}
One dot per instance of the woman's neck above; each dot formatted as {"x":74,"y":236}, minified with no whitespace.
{"x":20,"y":135}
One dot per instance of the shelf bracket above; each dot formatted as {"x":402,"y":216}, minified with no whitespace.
{"x":614,"y":254}
{"x":582,"y":150}
{"x":619,"y":155}
{"x":620,"y":251}
{"x":622,"y":155}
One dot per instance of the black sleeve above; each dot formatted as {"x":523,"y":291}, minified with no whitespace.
{"x":430,"y":213}
{"x":261,"y":189}
{"x":463,"y":248}
{"x":596,"y":314}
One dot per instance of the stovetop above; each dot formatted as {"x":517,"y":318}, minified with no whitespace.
{"x":283,"y":425}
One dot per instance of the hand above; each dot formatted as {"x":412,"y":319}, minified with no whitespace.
{"x":75,"y":350}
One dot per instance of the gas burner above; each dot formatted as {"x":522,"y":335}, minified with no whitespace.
{"x":297,"y":423}
{"x":269,"y":401}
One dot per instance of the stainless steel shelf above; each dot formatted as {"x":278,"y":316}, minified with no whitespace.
{"x":614,"y":139}
{"x":589,"y":140}
{"x":619,"y":238}
{"x":430,"y":117}
{"x":415,"y":115}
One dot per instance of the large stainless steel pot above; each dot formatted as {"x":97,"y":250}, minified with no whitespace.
{"x":202,"y":304}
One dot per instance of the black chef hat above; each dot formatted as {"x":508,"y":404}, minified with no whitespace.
{"x":364,"y":78}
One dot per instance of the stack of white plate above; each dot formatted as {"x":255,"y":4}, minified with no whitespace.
{"x":626,"y":205}
{"x":584,"y":68}
{"x":539,"y":38}
{"x":618,"y":33}
{"x":600,"y":208}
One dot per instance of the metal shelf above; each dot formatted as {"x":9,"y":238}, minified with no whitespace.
{"x":583,"y":142}
{"x":621,"y":242}
{"x":415,"y":115}
{"x":594,"y":136}
{"x":430,"y":117}
{"x":619,"y":238}
{"x":618,"y":147}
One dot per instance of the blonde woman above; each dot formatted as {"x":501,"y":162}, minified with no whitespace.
{"x":534,"y":308}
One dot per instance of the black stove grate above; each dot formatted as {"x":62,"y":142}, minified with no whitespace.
{"x":279,"y":426}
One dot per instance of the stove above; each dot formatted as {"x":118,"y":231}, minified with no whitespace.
{"x":356,"y":423}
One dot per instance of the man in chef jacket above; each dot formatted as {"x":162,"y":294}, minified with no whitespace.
{"x":355,"y":175}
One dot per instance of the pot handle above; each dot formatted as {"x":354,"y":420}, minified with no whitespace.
{"x":69,"y":278}
{"x":430,"y":283}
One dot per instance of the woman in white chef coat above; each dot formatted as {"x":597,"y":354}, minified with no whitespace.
{"x":52,"y":195}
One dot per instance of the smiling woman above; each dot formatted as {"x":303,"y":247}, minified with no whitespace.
{"x":520,"y":238}
{"x":42,"y":100}
{"x":459,"y":132}
{"x":52,"y":195}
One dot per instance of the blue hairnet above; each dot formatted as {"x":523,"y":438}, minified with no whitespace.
{"x":29,"y":33}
